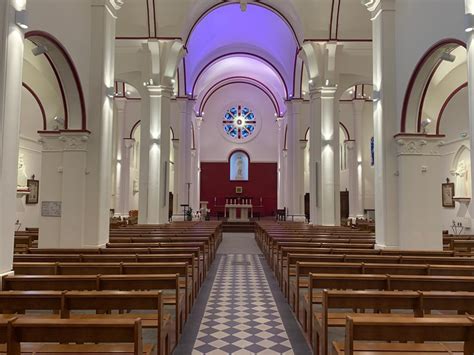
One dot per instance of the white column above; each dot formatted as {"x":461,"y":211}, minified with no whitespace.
{"x":100,"y":121}
{"x":176,"y":162}
{"x":280,"y":172}
{"x":196,"y":167}
{"x":420,"y":169}
{"x":11,"y":66}
{"x":118,"y":164}
{"x":63,"y":180}
{"x":358,"y":209}
{"x":469,"y":6}
{"x":157,"y":193}
{"x":296,"y":156}
{"x":315,"y":157}
{"x":183,"y":165}
{"x":385,"y":122}
{"x":330,"y":194}
{"x":125,"y":182}
{"x":353,"y":183}
{"x":144,"y":160}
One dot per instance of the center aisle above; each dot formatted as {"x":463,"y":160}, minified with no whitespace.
{"x":241,"y":315}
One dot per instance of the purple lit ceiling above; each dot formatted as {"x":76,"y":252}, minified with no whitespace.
{"x":256,"y":43}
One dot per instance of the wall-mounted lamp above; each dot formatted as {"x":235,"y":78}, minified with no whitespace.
{"x":148,"y":83}
{"x":448,"y":57}
{"x":310,"y":81}
{"x":110,"y":92}
{"x":469,"y":22}
{"x":21,"y":19}
{"x":59,"y":119}
{"x":376,"y":96}
{"x":39,"y":49}
{"x":424,"y":124}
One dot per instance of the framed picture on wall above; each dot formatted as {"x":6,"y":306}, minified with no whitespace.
{"x":447,"y":194}
{"x":33,"y":197}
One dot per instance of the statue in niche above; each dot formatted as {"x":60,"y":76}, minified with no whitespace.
{"x":22,"y":179}
{"x":463,"y":177}
{"x":240,"y":167}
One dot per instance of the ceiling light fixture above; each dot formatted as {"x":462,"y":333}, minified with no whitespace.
{"x":243,"y":5}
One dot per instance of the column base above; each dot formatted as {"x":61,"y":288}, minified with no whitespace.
{"x":9,"y":273}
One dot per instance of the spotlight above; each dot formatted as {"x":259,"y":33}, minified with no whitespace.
{"x":448,"y":57}
{"x":469,"y":22}
{"x":39,"y":49}
{"x":425,"y":123}
{"x":21,"y":19}
{"x":59,"y":120}
{"x":111,"y":92}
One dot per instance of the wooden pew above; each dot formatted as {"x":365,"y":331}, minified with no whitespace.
{"x":363,"y":329}
{"x":388,"y":302}
{"x":318,"y":282}
{"x":303,"y":269}
{"x":63,"y":304}
{"x":66,"y":331}
{"x":173,"y":296}
{"x":180,"y":268}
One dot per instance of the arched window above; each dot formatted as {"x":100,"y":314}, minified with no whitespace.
{"x":239,"y":122}
{"x":239,"y":166}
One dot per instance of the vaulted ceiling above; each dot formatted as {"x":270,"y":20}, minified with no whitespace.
{"x":311,"y":19}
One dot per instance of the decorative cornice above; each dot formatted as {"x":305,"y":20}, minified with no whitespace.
{"x":64,"y":141}
{"x":418,"y":145}
{"x":375,"y":6}
{"x":160,"y":91}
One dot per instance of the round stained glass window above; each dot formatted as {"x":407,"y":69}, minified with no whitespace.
{"x":239,"y":122}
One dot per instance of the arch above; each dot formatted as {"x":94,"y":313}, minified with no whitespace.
{"x":40,"y":104}
{"x":240,"y":80}
{"x":346,"y":131}
{"x":275,"y":105}
{"x":306,"y":135}
{"x":421,"y":78}
{"x":267,"y":6}
{"x":172,"y":132}
{"x":236,"y":151}
{"x":245,"y":54}
{"x":134,"y":127}
{"x":285,"y":139}
{"x":66,"y":73}
{"x":446,"y":103}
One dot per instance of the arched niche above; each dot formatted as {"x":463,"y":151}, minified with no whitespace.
{"x":439,"y":72}
{"x":67,"y":78}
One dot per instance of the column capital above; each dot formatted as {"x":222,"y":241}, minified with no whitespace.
{"x":112,"y":5}
{"x":324,"y":92}
{"x":175,"y":142}
{"x":418,"y":144}
{"x":160,"y":91}
{"x":375,"y":6}
{"x":120,"y":103}
{"x":350,"y":144}
{"x":303,"y":143}
{"x":74,"y":141}
{"x":129,"y":142}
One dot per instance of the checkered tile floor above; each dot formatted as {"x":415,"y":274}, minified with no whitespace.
{"x":241,"y":316}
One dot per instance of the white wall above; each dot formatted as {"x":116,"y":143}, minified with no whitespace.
{"x":454,"y":124}
{"x":216,"y":148}
{"x":30,"y":122}
{"x":419,"y":25}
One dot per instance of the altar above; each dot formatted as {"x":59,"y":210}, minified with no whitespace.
{"x":231,"y":212}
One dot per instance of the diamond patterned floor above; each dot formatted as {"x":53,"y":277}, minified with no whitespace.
{"x":241,"y":316}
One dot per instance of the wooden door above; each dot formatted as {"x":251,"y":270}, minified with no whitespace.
{"x":344,"y":204}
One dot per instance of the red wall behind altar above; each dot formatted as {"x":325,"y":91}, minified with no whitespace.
{"x":215,"y":183}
